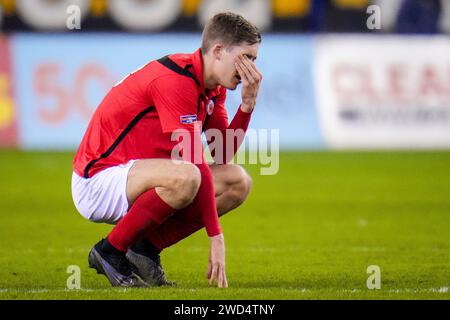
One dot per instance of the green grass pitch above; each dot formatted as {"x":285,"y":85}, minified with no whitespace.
{"x":309,"y":232}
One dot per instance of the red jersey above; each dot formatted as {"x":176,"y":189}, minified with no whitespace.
{"x":135,"y":119}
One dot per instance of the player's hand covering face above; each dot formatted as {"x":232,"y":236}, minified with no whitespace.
{"x":251,"y":80}
{"x":226,"y":72}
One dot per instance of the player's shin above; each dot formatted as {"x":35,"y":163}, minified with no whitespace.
{"x":146,"y":214}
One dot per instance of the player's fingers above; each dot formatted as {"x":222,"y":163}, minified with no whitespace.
{"x":225,"y":281}
{"x":208,"y":271}
{"x":246,"y":72}
{"x":252,"y":69}
{"x":213,"y":275}
{"x":244,"y":67}
{"x":259,"y":73}
{"x":241,"y":73}
{"x":240,"y":70}
{"x":255,"y":68}
{"x":220,"y":276}
{"x":222,"y":279}
{"x":252,"y":66}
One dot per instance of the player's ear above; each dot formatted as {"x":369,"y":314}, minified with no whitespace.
{"x":217,"y":51}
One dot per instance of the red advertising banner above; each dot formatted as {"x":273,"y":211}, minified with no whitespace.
{"x":8,"y":123}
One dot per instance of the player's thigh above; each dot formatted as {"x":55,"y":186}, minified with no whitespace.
{"x":146,"y":174}
{"x":228,"y":175}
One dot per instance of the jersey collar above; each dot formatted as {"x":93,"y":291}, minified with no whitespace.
{"x":197,"y":62}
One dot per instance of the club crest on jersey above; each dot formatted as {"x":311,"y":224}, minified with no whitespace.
{"x":210,"y":107}
{"x":189,"y":118}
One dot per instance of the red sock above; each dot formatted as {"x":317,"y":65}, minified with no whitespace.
{"x":148,"y":209}
{"x":179,"y":226}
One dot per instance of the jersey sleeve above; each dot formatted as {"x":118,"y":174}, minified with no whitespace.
{"x":175,"y":100}
{"x":232,"y":133}
{"x":219,"y":117}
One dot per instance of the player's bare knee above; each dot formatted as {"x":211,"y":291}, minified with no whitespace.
{"x":244,"y":186}
{"x":248,"y":183}
{"x":186,"y":184}
{"x":242,"y":183}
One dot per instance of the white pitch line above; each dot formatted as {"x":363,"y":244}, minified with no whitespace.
{"x":61,"y":290}
{"x":299,"y":248}
{"x":303,"y":290}
{"x":404,"y":290}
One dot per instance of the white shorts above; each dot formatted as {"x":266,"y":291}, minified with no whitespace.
{"x":103,"y":197}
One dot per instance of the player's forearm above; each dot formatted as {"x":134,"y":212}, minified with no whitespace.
{"x":209,"y":214}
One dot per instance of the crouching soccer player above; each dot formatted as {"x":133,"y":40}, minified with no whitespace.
{"x":124,"y":172}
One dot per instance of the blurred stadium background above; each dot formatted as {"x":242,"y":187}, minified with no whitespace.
{"x":364,"y":117}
